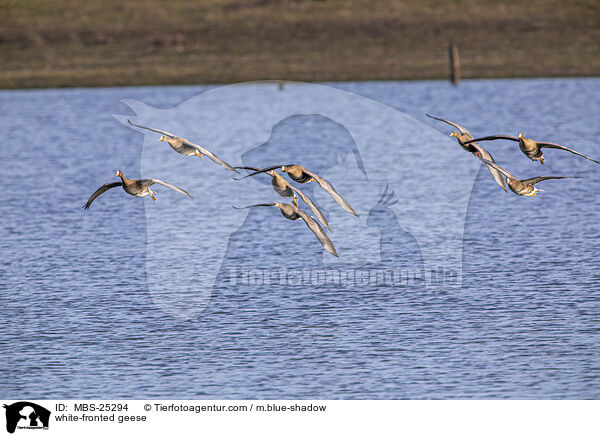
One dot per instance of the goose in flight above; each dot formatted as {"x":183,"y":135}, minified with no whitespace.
{"x":286,"y":190}
{"x":473,"y":148}
{"x":300,"y":174}
{"x":137,"y":188}
{"x":530,"y":148}
{"x":292,"y":212}
{"x":524,"y":187}
{"x":185,"y":147}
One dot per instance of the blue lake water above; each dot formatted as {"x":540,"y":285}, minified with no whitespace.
{"x":83,"y":317}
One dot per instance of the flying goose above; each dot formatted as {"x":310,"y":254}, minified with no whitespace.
{"x":473,"y":148}
{"x":286,"y":190}
{"x":138,"y":188}
{"x":522,"y":187}
{"x":530,"y":148}
{"x":292,"y":212}
{"x":185,"y":147}
{"x":300,"y":174}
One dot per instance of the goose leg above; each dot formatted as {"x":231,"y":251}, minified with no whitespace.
{"x":199,"y":154}
{"x":294,"y":201}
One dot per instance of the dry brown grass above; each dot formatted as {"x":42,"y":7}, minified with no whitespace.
{"x":114,"y":42}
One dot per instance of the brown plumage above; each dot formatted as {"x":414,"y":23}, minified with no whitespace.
{"x":524,"y":187}
{"x":185,"y":147}
{"x":463,"y":135}
{"x":286,"y":190}
{"x":300,"y":174}
{"x":137,"y":188}
{"x":531,"y":148}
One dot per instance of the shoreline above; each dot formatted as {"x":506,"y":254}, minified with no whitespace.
{"x":265,"y":81}
{"x":123,"y":43}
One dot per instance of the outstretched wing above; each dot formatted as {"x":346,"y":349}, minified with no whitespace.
{"x":318,"y":231}
{"x":492,"y":138}
{"x":248,"y":168}
{"x":201,"y":149}
{"x":149,"y":182}
{"x":312,"y":206}
{"x":210,"y":155}
{"x":328,"y":187}
{"x":535,"y":180}
{"x":255,"y":205}
{"x":257,"y":170}
{"x":460,"y":128}
{"x":494,"y":165}
{"x":562,"y":147}
{"x":484,"y":153}
{"x":102,"y":189}
{"x":162,"y":132}
{"x":493,"y":171}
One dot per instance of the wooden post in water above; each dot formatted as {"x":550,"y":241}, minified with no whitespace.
{"x":454,"y":64}
{"x":281,"y":85}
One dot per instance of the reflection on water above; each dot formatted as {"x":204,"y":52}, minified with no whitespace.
{"x":79,"y":321}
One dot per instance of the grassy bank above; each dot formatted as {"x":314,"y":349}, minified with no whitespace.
{"x":115,"y":42}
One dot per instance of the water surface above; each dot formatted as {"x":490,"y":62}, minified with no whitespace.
{"x":78,"y":320}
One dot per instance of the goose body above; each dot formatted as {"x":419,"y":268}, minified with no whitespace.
{"x":297,"y":173}
{"x":179,"y":145}
{"x":464,"y":137}
{"x":286,"y":190}
{"x":280,"y":186}
{"x":300,"y":174}
{"x":137,"y":188}
{"x":185,"y":147}
{"x":525,"y":187}
{"x":531,"y":148}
